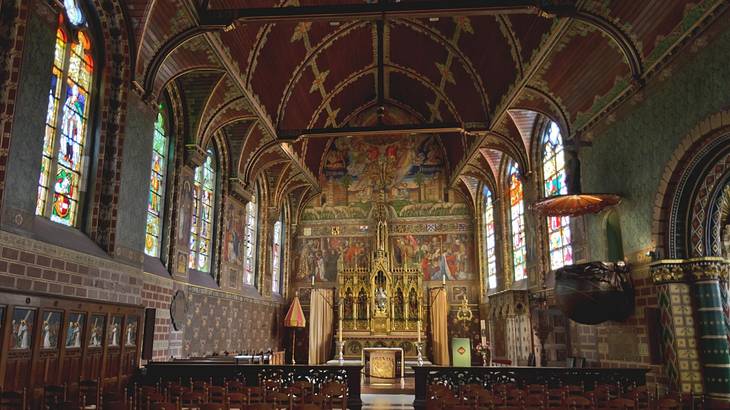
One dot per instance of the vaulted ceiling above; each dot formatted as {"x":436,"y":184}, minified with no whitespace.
{"x":279,"y":78}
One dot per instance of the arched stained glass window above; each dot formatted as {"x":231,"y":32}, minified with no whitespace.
{"x":201,"y":235}
{"x":517,"y":218}
{"x":489,"y":238}
{"x":67,"y":119}
{"x":276,"y":257}
{"x":249,"y":262}
{"x":158,"y":176}
{"x":553,"y":163}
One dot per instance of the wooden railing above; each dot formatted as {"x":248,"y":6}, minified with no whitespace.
{"x":254,"y":374}
{"x":550,"y":377}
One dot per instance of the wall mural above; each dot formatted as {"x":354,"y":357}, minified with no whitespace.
{"x":425,"y":229}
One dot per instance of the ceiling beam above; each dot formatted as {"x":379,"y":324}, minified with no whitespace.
{"x":381,"y":130}
{"x":371,"y":11}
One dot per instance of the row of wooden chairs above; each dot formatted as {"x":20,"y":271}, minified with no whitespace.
{"x":236,"y":394}
{"x":509,"y":397}
{"x":88,"y":393}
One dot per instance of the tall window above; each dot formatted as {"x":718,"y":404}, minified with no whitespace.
{"x":201,"y":235}
{"x":276,"y":257}
{"x":67,"y":120}
{"x":517,"y":217}
{"x":489,"y":239}
{"x":553,"y":163}
{"x":249,"y":262}
{"x":156,"y":201}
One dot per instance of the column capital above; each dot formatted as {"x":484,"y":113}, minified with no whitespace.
{"x":689,"y":270}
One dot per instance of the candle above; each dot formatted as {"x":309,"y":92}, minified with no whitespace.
{"x":340,"y":336}
{"x":312,"y":280}
{"x":419,"y":331}
{"x":443,"y":280}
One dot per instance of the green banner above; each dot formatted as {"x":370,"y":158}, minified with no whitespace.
{"x":461,"y":352}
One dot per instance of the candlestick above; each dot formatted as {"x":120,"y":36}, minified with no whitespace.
{"x":419,"y":331}
{"x":340,"y":335}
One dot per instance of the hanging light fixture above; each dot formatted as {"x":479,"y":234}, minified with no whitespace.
{"x":574,"y":203}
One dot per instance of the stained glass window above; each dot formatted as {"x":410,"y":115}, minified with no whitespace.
{"x":489,"y":239}
{"x":156,"y":200}
{"x":64,"y":140}
{"x":276,"y":257}
{"x":517,"y":218}
{"x":201,"y":235}
{"x":553,"y":163}
{"x":249,"y":262}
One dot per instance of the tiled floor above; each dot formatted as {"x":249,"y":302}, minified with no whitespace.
{"x":387,"y":401}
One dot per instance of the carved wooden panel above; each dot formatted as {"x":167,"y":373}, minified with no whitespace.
{"x":52,"y":340}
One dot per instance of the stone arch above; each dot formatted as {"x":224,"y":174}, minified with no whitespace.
{"x":690,"y":180}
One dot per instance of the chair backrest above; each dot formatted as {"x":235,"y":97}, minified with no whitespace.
{"x":164,"y":405}
{"x":13,"y":400}
{"x":578,"y":402}
{"x":116,"y":405}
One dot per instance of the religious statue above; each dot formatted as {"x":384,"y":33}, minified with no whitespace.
{"x":362,"y":305}
{"x":398,"y":305}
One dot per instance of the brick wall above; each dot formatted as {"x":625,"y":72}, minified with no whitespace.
{"x":217,"y":320}
{"x":622,"y":344}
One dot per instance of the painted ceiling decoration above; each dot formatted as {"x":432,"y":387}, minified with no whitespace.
{"x":282,"y":79}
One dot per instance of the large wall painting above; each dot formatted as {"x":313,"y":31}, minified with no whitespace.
{"x":439,"y":256}
{"x":428,"y":228}
{"x":323,"y":257}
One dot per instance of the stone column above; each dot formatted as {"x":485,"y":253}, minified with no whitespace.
{"x":679,"y":340}
{"x":706,"y":275}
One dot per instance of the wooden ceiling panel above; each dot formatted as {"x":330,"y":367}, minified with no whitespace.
{"x":417,"y":96}
{"x":359,"y":93}
{"x":240,"y":42}
{"x":651,"y":22}
{"x":588,"y":66}
{"x":165,"y":18}
{"x":454,"y":146}
{"x":415,"y":49}
{"x":274,"y":65}
{"x":194,"y":54}
{"x":493,"y":55}
{"x":236,"y":134}
{"x":329,"y":72}
{"x":315,"y":150}
{"x":195,"y":88}
{"x":529,"y":31}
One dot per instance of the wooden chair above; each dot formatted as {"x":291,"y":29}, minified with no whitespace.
{"x":259,"y":406}
{"x":198,"y":385}
{"x":192,"y":399}
{"x":89,"y":393}
{"x":578,"y":402}
{"x":254,"y":394}
{"x":335,"y":394}
{"x":308,"y":406}
{"x":235,"y":386}
{"x":668,"y":404}
{"x":151,"y":398}
{"x":163,"y":405}
{"x":14,"y":400}
{"x":236,"y":400}
{"x":53,"y":395}
{"x":280,"y":400}
{"x":117,"y":405}
{"x":214,"y":406}
{"x":217,"y":394}
{"x":621,"y":403}
{"x":300,"y":391}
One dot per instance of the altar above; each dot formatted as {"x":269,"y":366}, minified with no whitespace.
{"x":380,"y":306}
{"x":382,"y":361}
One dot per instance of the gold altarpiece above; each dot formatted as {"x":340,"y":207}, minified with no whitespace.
{"x":382,"y":305}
